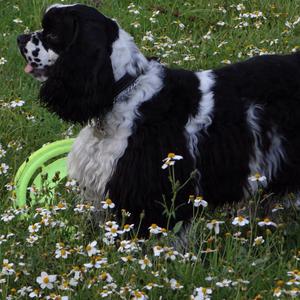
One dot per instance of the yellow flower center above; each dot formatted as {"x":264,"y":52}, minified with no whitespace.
{"x":153,"y":226}
{"x":88,"y":248}
{"x":241,"y":218}
{"x":108,"y":201}
{"x":266,"y":220}
{"x":46,"y":279}
{"x":257,"y":175}
{"x":171,"y":155}
{"x":138,"y":294}
{"x":113,"y":230}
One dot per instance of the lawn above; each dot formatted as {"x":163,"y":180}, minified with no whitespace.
{"x":53,"y":249}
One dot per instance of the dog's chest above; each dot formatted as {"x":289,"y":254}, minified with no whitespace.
{"x":95,"y":154}
{"x":94,"y":157}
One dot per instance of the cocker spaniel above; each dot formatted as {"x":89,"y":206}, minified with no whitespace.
{"x":227,"y":123}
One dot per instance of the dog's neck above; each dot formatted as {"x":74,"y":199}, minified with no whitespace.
{"x":126,"y":58}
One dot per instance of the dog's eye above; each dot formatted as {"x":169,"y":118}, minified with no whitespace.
{"x":52,"y":37}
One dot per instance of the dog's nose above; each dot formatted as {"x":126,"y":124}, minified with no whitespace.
{"x":23,"y":39}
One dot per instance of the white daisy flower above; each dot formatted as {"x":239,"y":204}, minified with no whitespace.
{"x":258,"y":241}
{"x":145,"y":262}
{"x":240,"y":221}
{"x":107,"y":204}
{"x":154,"y":229}
{"x":91,"y":248}
{"x":7,"y":267}
{"x":258,"y":177}
{"x":3,"y":168}
{"x":170,"y":160}
{"x":214,"y":224}
{"x":267,"y":222}
{"x":46,"y":281}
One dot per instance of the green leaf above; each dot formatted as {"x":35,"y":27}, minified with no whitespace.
{"x":177,"y":227}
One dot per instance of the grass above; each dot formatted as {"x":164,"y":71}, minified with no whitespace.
{"x":195,"y":35}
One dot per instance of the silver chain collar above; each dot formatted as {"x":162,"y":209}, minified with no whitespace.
{"x":98,"y":124}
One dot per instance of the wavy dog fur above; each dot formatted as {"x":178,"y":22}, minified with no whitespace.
{"x":227,"y":123}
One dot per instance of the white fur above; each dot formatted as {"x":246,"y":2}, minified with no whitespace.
{"x":275,"y":155}
{"x":203,"y":118}
{"x":268,"y":164}
{"x":126,"y":57}
{"x":92,"y":161}
{"x":257,"y":160}
{"x":58,"y":5}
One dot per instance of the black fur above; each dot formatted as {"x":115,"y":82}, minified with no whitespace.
{"x":139,"y":183}
{"x":80,"y":87}
{"x":80,"y":83}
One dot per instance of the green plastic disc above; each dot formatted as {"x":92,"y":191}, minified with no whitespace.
{"x":50,"y":159}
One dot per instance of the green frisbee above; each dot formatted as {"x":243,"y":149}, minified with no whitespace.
{"x":50,"y":159}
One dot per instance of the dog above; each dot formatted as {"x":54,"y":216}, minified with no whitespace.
{"x":227,"y":124}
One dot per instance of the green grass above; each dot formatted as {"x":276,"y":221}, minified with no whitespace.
{"x":254,"y":271}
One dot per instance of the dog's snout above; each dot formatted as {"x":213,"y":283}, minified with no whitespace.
{"x":23,"y":39}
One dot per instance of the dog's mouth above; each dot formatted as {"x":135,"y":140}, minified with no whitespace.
{"x":40,"y":74}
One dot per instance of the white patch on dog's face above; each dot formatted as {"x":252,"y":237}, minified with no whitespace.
{"x":38,"y":57}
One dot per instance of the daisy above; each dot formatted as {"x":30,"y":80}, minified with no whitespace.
{"x":91,"y":248}
{"x":257,"y":177}
{"x":202,"y":293}
{"x":63,"y":253}
{"x":240,"y":221}
{"x":35,"y":294}
{"x":46,"y":281}
{"x":7,"y":267}
{"x":104,"y":276}
{"x":145,"y":262}
{"x":17,"y":103}
{"x":128,"y":258}
{"x":258,"y":241}
{"x":3,"y":61}
{"x":214,"y":224}
{"x":175,"y":285}
{"x":127,"y":227}
{"x":199,"y":201}
{"x":34,"y":228}
{"x":154,"y":229}
{"x":3,"y":168}
{"x":137,"y":295}
{"x":2,"y":152}
{"x":112,"y":231}
{"x":158,"y":250}
{"x":170,"y":160}
{"x":267,"y":222}
{"x":107,"y":204}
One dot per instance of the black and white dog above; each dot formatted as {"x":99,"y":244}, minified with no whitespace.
{"x":227,"y":123}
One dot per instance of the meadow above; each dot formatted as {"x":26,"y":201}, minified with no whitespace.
{"x":54,"y":250}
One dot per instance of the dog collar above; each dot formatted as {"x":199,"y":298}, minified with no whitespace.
{"x":123,"y":86}
{"x":121,"y":89}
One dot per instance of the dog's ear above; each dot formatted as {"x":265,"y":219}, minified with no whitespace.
{"x":79,"y":85}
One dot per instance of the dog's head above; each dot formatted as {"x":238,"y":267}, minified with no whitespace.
{"x":71,"y":56}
